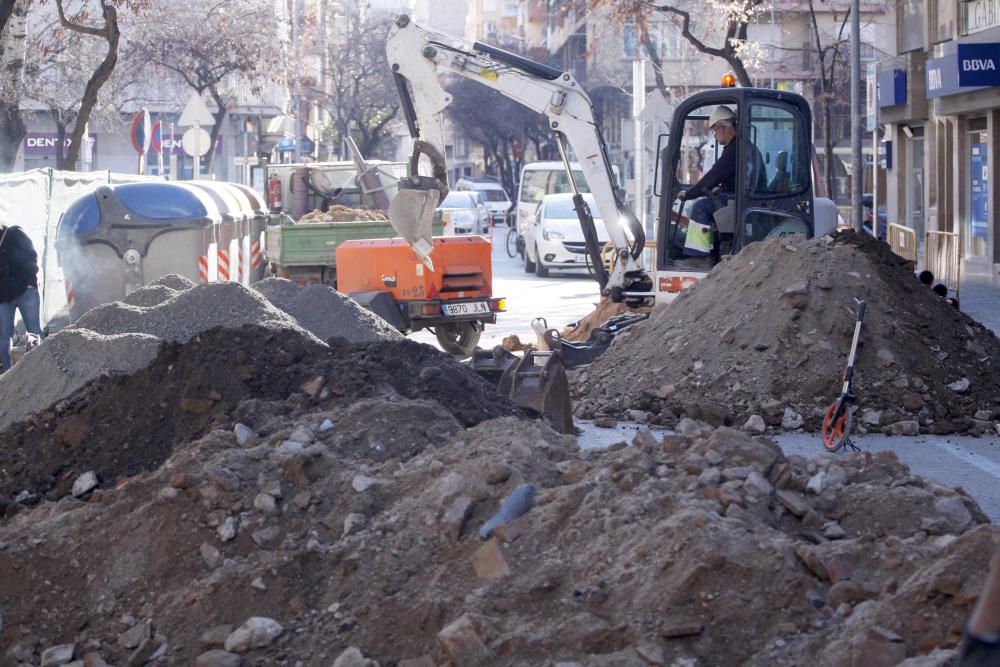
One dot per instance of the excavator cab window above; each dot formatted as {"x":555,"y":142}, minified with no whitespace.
{"x":777,"y":165}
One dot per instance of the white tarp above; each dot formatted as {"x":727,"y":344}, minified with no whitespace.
{"x":35,"y":200}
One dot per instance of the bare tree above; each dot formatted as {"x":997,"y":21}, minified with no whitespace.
{"x":831,"y":91}
{"x":12,"y":41}
{"x":207,"y":43}
{"x":502,"y":127}
{"x":719,"y":29}
{"x":358,"y":93}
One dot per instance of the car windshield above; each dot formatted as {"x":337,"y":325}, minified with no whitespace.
{"x":562,"y":208}
{"x":458,"y":200}
{"x":493,"y":195}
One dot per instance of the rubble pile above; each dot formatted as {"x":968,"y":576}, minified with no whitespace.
{"x":762,"y":342}
{"x":122,"y":337}
{"x":326,"y":312}
{"x":121,"y":425}
{"x":341,"y":213}
{"x":329,"y":511}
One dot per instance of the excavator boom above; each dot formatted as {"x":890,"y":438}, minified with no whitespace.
{"x":417,"y":54}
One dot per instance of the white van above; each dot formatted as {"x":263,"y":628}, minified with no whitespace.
{"x":545,"y":178}
{"x":496,"y":198}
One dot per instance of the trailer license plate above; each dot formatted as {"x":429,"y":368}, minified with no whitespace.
{"x":470,"y":308}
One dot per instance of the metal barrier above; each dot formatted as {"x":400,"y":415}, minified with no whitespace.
{"x":903,"y":241}
{"x":942,"y":257}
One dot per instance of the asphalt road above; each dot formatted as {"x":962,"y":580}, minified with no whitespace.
{"x":565,"y":297}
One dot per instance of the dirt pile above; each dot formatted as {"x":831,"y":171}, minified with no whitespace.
{"x":762,"y":342}
{"x":305,"y":530}
{"x":122,"y":425}
{"x":120,"y":338}
{"x":341,"y":213}
{"x":326,"y":312}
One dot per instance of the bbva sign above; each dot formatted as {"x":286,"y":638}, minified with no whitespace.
{"x":979,"y":64}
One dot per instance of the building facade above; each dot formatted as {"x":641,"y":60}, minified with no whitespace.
{"x":939,"y":109}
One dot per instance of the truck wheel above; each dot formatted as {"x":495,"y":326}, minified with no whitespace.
{"x":459,"y":339}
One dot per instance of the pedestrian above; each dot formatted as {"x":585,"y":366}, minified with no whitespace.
{"x":18,"y":287}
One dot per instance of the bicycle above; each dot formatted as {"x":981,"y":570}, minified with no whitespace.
{"x":514,"y":243}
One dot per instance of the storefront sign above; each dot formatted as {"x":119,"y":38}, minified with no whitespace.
{"x":891,"y":88}
{"x":979,"y":64}
{"x":171,"y":143}
{"x":45,"y":143}
{"x":942,"y":77}
{"x":979,"y":15}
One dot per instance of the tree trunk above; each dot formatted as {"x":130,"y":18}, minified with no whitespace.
{"x":97,"y":80}
{"x":219,"y":116}
{"x":12,"y":127}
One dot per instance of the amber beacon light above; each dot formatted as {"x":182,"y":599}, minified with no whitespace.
{"x":728,"y":81}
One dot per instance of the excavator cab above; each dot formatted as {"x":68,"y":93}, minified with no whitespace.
{"x":773,"y":193}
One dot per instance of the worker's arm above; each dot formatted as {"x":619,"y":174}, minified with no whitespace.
{"x":723,"y":172}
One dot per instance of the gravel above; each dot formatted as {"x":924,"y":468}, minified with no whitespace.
{"x":122,"y":338}
{"x":326,"y":312}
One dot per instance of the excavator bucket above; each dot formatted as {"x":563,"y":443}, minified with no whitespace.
{"x":537,"y":381}
{"x":411,"y":212}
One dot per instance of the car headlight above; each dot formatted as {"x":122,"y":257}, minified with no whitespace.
{"x":552,"y":235}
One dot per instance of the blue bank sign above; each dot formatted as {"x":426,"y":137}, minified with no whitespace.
{"x":979,"y":64}
{"x":974,"y":66}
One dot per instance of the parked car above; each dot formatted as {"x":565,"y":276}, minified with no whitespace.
{"x":496,"y":198}
{"x":883,"y":219}
{"x":463,"y":213}
{"x":553,"y":238}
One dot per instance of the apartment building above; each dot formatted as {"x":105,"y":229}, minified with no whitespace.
{"x":939,"y":107}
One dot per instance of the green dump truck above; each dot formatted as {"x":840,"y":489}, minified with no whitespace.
{"x":317,"y":206}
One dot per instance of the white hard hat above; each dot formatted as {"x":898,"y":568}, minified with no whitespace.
{"x":720,"y":114}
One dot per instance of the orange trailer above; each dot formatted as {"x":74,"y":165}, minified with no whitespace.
{"x":455,"y":300}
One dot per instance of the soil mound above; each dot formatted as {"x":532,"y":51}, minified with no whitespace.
{"x":122,"y":425}
{"x":326,"y":312}
{"x":706,"y":548}
{"x":118,"y":337}
{"x":768,"y":332}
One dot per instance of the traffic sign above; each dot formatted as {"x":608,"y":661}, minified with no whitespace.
{"x":196,"y":141}
{"x":140,"y":132}
{"x":156,"y":143}
{"x":195,"y":113}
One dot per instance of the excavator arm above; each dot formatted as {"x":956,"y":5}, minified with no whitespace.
{"x":417,"y":54}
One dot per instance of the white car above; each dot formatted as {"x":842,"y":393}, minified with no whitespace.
{"x":553,"y":238}
{"x":493,"y":194}
{"x":463,"y":213}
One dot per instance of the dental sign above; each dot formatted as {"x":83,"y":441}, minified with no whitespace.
{"x":979,"y":15}
{"x":979,"y":64}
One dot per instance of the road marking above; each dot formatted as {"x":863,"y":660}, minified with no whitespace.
{"x":973,"y":459}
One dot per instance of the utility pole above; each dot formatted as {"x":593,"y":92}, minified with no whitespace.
{"x":638,"y":163}
{"x":857,"y":177}
{"x":296,"y":84}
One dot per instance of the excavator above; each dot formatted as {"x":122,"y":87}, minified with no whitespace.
{"x":774,"y":188}
{"x":774,"y":192}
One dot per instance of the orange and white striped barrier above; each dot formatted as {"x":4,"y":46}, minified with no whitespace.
{"x":203,"y":268}
{"x":255,"y":255}
{"x":239,"y":264}
{"x":223,"y":265}
{"x":70,"y":295}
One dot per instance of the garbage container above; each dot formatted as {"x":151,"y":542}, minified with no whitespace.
{"x":119,"y":238}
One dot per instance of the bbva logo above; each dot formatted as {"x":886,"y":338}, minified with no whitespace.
{"x":978,"y":65}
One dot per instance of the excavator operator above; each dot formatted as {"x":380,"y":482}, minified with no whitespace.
{"x":722,"y":175}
